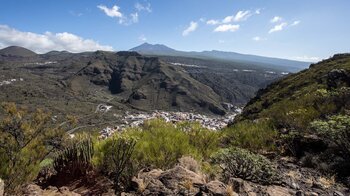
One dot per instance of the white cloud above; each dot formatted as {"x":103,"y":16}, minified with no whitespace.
{"x":139,"y":7}
{"x":257,"y":11}
{"x":111,"y":12}
{"x":227,"y":19}
{"x":192,"y":27}
{"x":115,"y":12}
{"x":48,"y":41}
{"x":295,"y":23}
{"x":142,"y":38}
{"x":213,"y":22}
{"x":221,"y":41}
{"x":256,"y":38}
{"x":242,"y":15}
{"x":276,"y":19}
{"x":307,"y":58}
{"x":134,"y":17}
{"x":278,"y":27}
{"x":226,"y":28}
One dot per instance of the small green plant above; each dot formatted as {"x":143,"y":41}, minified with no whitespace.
{"x":237,"y":162}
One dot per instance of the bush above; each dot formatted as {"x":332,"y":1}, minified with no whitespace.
{"x":255,"y":136}
{"x":237,"y":162}
{"x":113,"y":158}
{"x":205,"y":141}
{"x":160,"y":144}
{"x":336,"y":129}
{"x":189,"y":163}
{"x":26,"y":138}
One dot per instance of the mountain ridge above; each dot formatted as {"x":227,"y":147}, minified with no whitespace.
{"x":163,"y":50}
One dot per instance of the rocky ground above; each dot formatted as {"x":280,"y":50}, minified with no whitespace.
{"x":186,"y":179}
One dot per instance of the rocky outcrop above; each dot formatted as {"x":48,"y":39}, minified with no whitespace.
{"x":176,"y":181}
{"x":2,"y":187}
{"x":35,"y":190}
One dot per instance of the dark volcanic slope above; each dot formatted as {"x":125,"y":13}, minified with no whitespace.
{"x":147,"y":83}
{"x":17,"y":51}
{"x":75,"y":84}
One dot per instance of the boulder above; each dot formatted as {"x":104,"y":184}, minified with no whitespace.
{"x":156,"y":187}
{"x":337,"y":77}
{"x":216,"y":188}
{"x":2,"y":187}
{"x":35,"y":190}
{"x":177,"y":176}
{"x":278,"y":191}
{"x":241,"y":187}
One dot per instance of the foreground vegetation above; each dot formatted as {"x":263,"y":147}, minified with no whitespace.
{"x":33,"y":142}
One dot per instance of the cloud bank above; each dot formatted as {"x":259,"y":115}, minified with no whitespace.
{"x":48,"y":41}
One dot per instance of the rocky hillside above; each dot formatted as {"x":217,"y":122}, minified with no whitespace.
{"x":147,"y":83}
{"x":311,"y":112}
{"x":321,"y":90}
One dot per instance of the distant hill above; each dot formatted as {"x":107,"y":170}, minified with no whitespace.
{"x":259,"y":61}
{"x":17,"y":52}
{"x":153,"y":48}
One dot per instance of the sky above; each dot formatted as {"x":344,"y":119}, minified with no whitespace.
{"x":308,"y":30}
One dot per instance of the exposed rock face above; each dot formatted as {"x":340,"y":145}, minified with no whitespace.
{"x":217,"y":188}
{"x":175,"y":181}
{"x":2,"y":187}
{"x":35,"y":190}
{"x":278,"y":191}
{"x":338,"y":77}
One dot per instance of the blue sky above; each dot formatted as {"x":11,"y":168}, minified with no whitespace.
{"x":295,"y":29}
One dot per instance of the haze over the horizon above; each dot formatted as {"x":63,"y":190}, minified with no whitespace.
{"x":301,"y":30}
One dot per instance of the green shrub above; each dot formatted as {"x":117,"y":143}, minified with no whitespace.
{"x":25,"y":139}
{"x":76,"y":156}
{"x":335,"y":129}
{"x":255,"y":136}
{"x":205,"y":141}
{"x":114,"y":157}
{"x":160,"y":144}
{"x":237,"y":162}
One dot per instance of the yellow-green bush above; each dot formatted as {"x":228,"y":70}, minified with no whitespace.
{"x":255,"y":136}
{"x":205,"y":141}
{"x":160,"y":144}
{"x":24,"y":142}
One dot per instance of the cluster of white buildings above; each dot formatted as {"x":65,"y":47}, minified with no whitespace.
{"x":10,"y":81}
{"x":137,"y":119}
{"x":42,"y":63}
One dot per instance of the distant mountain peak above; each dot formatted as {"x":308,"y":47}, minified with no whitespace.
{"x":17,"y":51}
{"x":147,"y":47}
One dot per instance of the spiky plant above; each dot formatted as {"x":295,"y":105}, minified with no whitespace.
{"x":76,"y":157}
{"x":117,"y":153}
